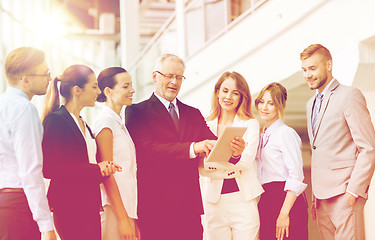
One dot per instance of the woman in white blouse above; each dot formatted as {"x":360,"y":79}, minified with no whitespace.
{"x":282,"y":207}
{"x":69,"y":156}
{"x":115,"y":145}
{"x":230,"y":192}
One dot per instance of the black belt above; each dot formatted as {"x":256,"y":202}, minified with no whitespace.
{"x":229,"y":186}
{"x":11,"y":190}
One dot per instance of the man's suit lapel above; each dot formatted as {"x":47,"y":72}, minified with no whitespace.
{"x":160,"y":111}
{"x":323,"y":108}
{"x":183,"y":118}
{"x":309,"y":118}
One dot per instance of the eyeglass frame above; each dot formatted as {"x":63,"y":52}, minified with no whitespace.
{"x":171,"y":76}
{"x":40,"y":75}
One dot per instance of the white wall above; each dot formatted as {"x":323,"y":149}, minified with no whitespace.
{"x":265,"y":46}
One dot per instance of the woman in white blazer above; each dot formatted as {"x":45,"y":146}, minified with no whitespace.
{"x":115,"y":144}
{"x":230,"y":192}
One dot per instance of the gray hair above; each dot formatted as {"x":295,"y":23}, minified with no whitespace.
{"x":159,"y":62}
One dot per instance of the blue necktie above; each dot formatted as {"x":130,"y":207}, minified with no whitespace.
{"x":316,"y":110}
{"x":174,"y":115}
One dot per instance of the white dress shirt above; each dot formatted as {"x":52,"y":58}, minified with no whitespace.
{"x":90,"y":142}
{"x":280,"y":157}
{"x":324,"y":92}
{"x":21,"y":159}
{"x":166,"y":103}
{"x":123,"y":155}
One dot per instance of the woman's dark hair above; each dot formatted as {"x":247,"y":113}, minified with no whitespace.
{"x":106,"y":78}
{"x":75,"y":75}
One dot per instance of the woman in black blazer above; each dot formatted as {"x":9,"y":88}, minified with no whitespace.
{"x":69,"y":156}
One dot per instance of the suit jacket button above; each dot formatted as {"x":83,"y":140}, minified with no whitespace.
{"x":314,"y":147}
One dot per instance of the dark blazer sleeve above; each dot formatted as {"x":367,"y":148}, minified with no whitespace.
{"x":65,"y":155}
{"x":142,"y":135}
{"x":200,"y":124}
{"x":150,"y":134}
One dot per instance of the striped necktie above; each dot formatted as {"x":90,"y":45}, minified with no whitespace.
{"x":174,"y":115}
{"x":316,"y":110}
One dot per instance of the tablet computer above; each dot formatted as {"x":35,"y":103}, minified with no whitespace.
{"x":222,"y":151}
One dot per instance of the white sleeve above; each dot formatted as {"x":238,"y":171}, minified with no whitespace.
{"x":102,"y":122}
{"x":292,"y":156}
{"x":27,"y":132}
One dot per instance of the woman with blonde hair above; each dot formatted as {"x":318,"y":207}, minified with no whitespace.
{"x":115,"y":145}
{"x":69,"y":156}
{"x":282,"y":207}
{"x":230,"y":192}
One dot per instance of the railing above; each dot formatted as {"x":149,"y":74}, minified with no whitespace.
{"x":193,"y":6}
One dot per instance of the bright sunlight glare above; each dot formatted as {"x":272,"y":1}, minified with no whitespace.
{"x":50,"y":27}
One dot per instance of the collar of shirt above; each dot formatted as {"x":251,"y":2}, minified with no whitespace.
{"x":17,"y":91}
{"x":325,"y":89}
{"x":273,"y":127}
{"x":166,"y":103}
{"x":267,"y":132}
{"x":77,"y":123}
{"x":112,"y":114}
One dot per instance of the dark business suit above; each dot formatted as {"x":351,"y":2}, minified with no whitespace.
{"x":170,"y":202}
{"x":74,"y":192}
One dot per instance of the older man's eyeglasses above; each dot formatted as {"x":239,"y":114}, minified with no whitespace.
{"x":171,"y":76}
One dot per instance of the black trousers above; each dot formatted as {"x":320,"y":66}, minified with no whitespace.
{"x":77,"y":224}
{"x":16,"y":221}
{"x":270,"y":205}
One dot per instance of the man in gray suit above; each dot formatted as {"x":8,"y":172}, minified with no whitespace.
{"x":342,"y":139}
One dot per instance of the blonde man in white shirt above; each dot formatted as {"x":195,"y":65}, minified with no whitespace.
{"x":282,"y":207}
{"x":230,"y":192}
{"x":24,"y":210}
{"x":115,"y":144}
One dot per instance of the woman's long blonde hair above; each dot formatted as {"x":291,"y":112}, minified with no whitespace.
{"x":244,"y":106}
